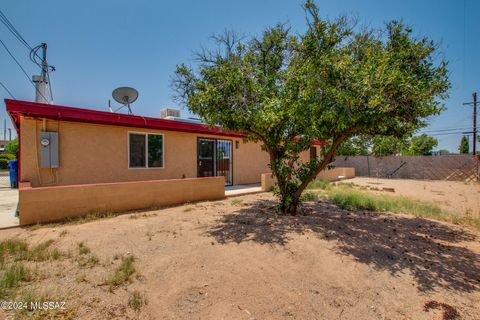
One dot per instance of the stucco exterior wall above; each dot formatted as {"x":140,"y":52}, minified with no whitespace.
{"x":91,"y":153}
{"x":39,"y":205}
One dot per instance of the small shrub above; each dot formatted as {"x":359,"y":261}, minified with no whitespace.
{"x":63,"y":233}
{"x":7,"y":156}
{"x":123,"y":272}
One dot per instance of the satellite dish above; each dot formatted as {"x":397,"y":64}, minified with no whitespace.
{"x":125,"y":96}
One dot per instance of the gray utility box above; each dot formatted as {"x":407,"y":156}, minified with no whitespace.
{"x":48,"y":149}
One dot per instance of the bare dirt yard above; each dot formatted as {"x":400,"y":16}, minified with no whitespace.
{"x":236,"y":259}
{"x":461,"y":198}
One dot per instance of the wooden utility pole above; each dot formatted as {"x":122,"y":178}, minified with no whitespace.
{"x":474,"y":129}
{"x":474,"y":123}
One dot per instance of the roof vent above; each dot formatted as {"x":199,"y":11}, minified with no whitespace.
{"x":169,"y":113}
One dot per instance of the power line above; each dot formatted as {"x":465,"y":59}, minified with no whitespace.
{"x":6,"y":89}
{"x":23,"y":70}
{"x":33,"y":53}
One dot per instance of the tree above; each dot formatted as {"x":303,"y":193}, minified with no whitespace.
{"x":354,"y":146}
{"x":464,"y":146}
{"x":421,"y":145}
{"x":330,"y":83}
{"x":12,"y":146}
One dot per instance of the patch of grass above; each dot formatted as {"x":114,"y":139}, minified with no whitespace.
{"x":31,"y":296}
{"x":88,"y":261}
{"x":309,"y":196}
{"x":82,"y":248}
{"x":319,"y":184}
{"x":348,"y":198}
{"x":41,"y":252}
{"x":13,"y":275}
{"x":122,"y":273}
{"x":63,"y":233}
{"x":142,"y":215}
{"x":12,"y":247}
{"x":187,"y":209}
{"x":136,"y":300}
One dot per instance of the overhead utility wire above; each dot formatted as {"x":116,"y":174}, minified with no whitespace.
{"x":6,"y":89}
{"x":33,"y":51}
{"x":20,"y":66}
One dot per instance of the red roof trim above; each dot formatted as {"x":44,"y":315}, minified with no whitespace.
{"x":39,"y":110}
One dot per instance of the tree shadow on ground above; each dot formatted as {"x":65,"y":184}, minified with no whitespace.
{"x":430,"y":250}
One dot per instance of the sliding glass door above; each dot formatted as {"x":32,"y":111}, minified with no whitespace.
{"x":214,"y":158}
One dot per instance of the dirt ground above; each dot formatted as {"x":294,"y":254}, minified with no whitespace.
{"x":235,"y":259}
{"x":462,"y":198}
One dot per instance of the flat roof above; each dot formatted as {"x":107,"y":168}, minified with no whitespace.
{"x":17,"y":108}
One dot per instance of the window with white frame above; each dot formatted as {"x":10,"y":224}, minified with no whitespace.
{"x":145,"y":150}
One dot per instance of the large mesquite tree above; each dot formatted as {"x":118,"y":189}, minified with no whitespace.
{"x":329,"y":83}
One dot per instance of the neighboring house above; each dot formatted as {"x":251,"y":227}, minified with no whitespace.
{"x":61,"y":146}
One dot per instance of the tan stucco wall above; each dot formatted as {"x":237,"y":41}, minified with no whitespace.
{"x":91,"y":153}
{"x":334,"y":174}
{"x":44,"y":204}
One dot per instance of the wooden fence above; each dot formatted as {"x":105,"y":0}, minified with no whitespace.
{"x":446,"y":167}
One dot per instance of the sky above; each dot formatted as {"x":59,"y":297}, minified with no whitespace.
{"x":97,"y":46}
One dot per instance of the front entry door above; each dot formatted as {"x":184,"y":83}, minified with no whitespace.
{"x":214,"y":158}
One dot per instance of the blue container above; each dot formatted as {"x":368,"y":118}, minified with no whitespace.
{"x":13,"y":165}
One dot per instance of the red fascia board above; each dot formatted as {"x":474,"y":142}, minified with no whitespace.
{"x":41,"y":110}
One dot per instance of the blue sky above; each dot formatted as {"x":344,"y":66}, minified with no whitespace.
{"x":97,"y":46}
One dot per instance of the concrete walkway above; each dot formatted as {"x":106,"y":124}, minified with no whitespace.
{"x":242,"y":189}
{"x":8,"y":206}
{"x":8,"y":202}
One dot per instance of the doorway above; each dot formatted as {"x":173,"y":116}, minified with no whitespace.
{"x":214,"y":158}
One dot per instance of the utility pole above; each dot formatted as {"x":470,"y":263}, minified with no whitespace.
{"x":4,"y":129}
{"x":9,"y":134}
{"x":42,"y":84}
{"x":474,"y":123}
{"x":474,"y":129}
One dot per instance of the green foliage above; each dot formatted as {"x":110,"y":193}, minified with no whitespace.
{"x":7,"y":156}
{"x":319,"y":184}
{"x":3,"y":164}
{"x":330,"y":83}
{"x":12,"y":146}
{"x":13,"y":275}
{"x":122,"y":273}
{"x":309,"y":196}
{"x":464,"y":146}
{"x":421,"y":145}
{"x":355,"y":146}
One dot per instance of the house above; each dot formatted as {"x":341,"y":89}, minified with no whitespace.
{"x":79,"y":154}
{"x":102,"y":147}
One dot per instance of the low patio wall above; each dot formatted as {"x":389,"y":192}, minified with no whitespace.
{"x":46,"y":204}
{"x":334,"y":174}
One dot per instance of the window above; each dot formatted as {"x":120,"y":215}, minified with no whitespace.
{"x":145,"y":150}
